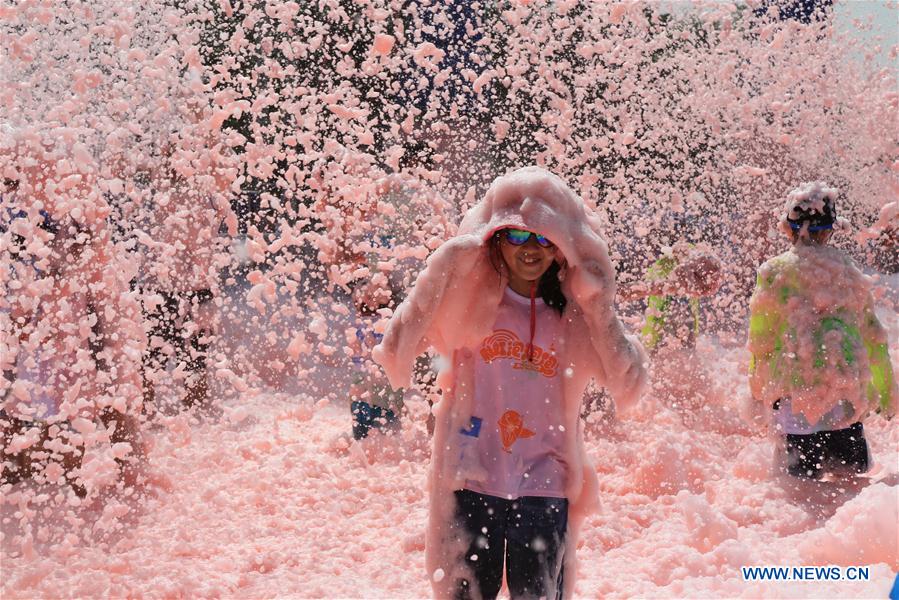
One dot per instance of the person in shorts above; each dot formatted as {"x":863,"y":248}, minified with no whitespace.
{"x":820,"y":361}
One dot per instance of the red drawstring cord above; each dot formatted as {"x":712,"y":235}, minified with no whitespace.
{"x":533,"y":320}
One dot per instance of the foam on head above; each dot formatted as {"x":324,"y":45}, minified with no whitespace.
{"x":811,"y":207}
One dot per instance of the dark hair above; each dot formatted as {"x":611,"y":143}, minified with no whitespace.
{"x":549,"y":288}
{"x":817,"y":220}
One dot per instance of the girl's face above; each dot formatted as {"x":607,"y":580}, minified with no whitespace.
{"x":527,"y":262}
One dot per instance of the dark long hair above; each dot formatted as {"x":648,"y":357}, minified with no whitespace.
{"x":549,"y":288}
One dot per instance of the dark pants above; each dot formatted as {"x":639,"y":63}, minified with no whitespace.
{"x":166,"y":322}
{"x":810,"y":456}
{"x":367,"y":417}
{"x":528,"y":533}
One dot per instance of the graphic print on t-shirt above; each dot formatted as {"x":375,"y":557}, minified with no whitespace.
{"x":503,"y":343}
{"x":519,"y":405}
{"x":511,"y":429}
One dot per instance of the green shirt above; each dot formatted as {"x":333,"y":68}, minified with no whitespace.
{"x":790,"y":355}
{"x":666,"y":314}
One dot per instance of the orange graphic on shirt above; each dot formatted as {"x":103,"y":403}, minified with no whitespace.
{"x":511,"y":429}
{"x":503,"y":343}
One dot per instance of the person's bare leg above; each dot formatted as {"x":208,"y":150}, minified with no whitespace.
{"x":127,"y":430}
{"x":197,"y":394}
{"x":149,"y":395}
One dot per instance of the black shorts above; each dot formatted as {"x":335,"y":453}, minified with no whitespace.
{"x":840,"y":451}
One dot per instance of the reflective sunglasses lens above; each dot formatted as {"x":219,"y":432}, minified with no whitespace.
{"x":517,"y":237}
{"x":543,"y":241}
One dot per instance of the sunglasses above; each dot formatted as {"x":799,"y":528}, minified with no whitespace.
{"x":811,"y":229}
{"x":520,"y":237}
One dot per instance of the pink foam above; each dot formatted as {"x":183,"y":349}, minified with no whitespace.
{"x":113,"y":119}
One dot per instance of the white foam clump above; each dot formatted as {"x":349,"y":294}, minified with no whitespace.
{"x":383,"y":44}
{"x":887,"y":220}
{"x":862,"y":531}
{"x":753,"y":462}
{"x":811,"y":196}
{"x":708,"y":527}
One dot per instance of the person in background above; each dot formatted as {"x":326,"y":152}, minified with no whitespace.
{"x":820,"y":360}
{"x":373,"y":404}
{"x":73,"y":400}
{"x":674,"y":288}
{"x":75,"y":388}
{"x":180,"y":221}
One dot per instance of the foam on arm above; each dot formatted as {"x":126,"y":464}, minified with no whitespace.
{"x":882,"y":389}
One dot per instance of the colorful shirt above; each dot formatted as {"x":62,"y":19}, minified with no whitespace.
{"x":516,"y":430}
{"x":368,"y":374}
{"x":816,"y":343}
{"x":669,"y":319}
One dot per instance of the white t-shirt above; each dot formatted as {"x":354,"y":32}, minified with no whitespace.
{"x":516,"y":430}
{"x":796,"y":423}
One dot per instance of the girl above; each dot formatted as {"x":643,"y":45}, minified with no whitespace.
{"x":519,"y":304}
